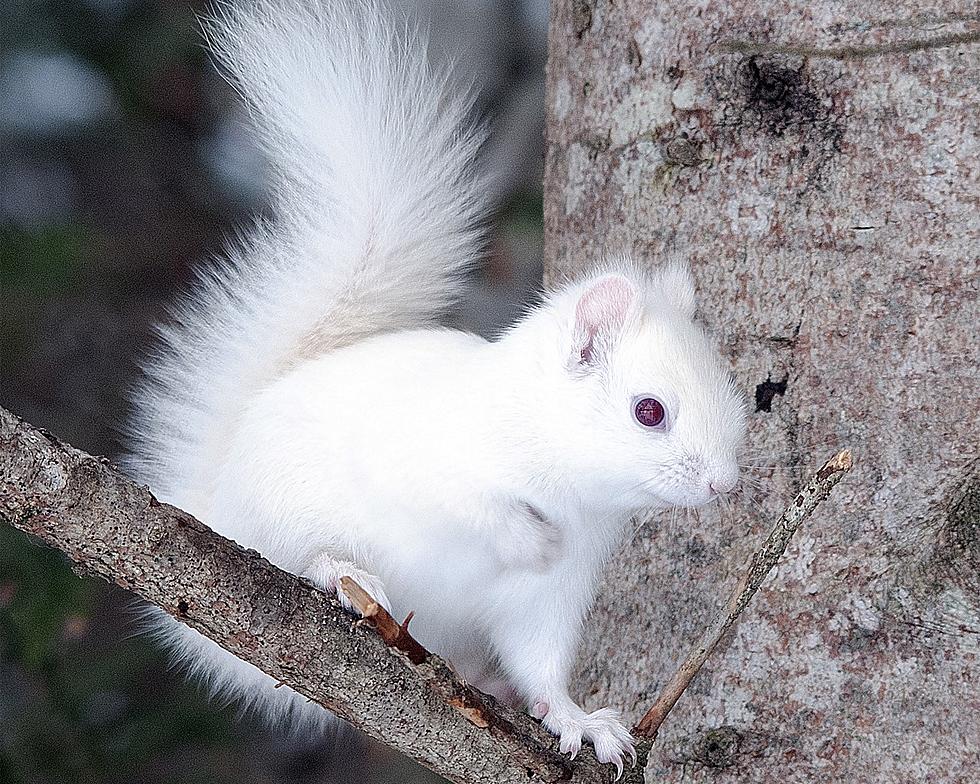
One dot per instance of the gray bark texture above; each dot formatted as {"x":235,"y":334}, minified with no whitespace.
{"x":114,"y":529}
{"x":817,"y":165}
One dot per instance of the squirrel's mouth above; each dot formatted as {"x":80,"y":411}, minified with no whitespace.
{"x":684,"y":498}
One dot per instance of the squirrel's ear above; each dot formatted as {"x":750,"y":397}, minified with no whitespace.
{"x":677,"y":285}
{"x":600,"y":313}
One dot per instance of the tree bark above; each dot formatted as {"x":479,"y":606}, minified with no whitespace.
{"x":817,"y":165}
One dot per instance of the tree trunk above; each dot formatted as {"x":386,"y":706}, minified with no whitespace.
{"x":817,"y":165}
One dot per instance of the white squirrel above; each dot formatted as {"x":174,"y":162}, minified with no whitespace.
{"x":306,"y":404}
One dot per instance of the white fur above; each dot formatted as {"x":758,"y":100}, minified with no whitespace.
{"x":304,"y":404}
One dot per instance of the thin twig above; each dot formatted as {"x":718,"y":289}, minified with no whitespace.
{"x":815,"y":491}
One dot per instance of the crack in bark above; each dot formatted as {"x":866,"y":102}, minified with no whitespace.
{"x":850,"y":51}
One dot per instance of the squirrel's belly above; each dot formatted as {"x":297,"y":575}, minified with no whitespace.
{"x":441,"y":578}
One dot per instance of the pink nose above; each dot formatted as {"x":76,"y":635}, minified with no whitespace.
{"x":721,"y":486}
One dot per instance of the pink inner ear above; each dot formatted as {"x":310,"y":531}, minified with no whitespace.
{"x":602,"y":310}
{"x":605,"y":303}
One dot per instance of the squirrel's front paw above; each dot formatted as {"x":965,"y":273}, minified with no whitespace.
{"x":326,"y":573}
{"x":527,"y":540}
{"x":613,"y":742}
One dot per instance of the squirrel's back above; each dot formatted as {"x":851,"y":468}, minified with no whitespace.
{"x":376,"y":205}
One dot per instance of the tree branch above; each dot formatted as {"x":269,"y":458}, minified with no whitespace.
{"x":115,"y":529}
{"x":471,"y":703}
{"x":380,"y":679}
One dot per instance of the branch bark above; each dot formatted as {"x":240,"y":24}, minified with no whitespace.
{"x":115,"y":529}
{"x":383,"y":682}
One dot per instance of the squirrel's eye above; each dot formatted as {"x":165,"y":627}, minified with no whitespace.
{"x":649,"y":412}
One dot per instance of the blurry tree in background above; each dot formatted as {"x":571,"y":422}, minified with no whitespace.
{"x":124,"y":160}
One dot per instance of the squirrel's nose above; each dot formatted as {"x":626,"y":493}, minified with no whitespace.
{"x":723,"y":483}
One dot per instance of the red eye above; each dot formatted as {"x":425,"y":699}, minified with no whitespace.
{"x":649,"y":412}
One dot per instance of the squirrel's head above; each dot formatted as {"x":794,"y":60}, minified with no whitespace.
{"x":654,"y":418}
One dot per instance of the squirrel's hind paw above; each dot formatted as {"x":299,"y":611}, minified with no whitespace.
{"x":326,"y":572}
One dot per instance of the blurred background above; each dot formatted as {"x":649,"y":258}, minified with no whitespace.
{"x":125,"y":161}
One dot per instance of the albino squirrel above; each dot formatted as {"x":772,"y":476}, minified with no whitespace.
{"x":306,"y":404}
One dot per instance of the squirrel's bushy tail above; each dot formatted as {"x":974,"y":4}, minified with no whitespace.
{"x":376,"y":211}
